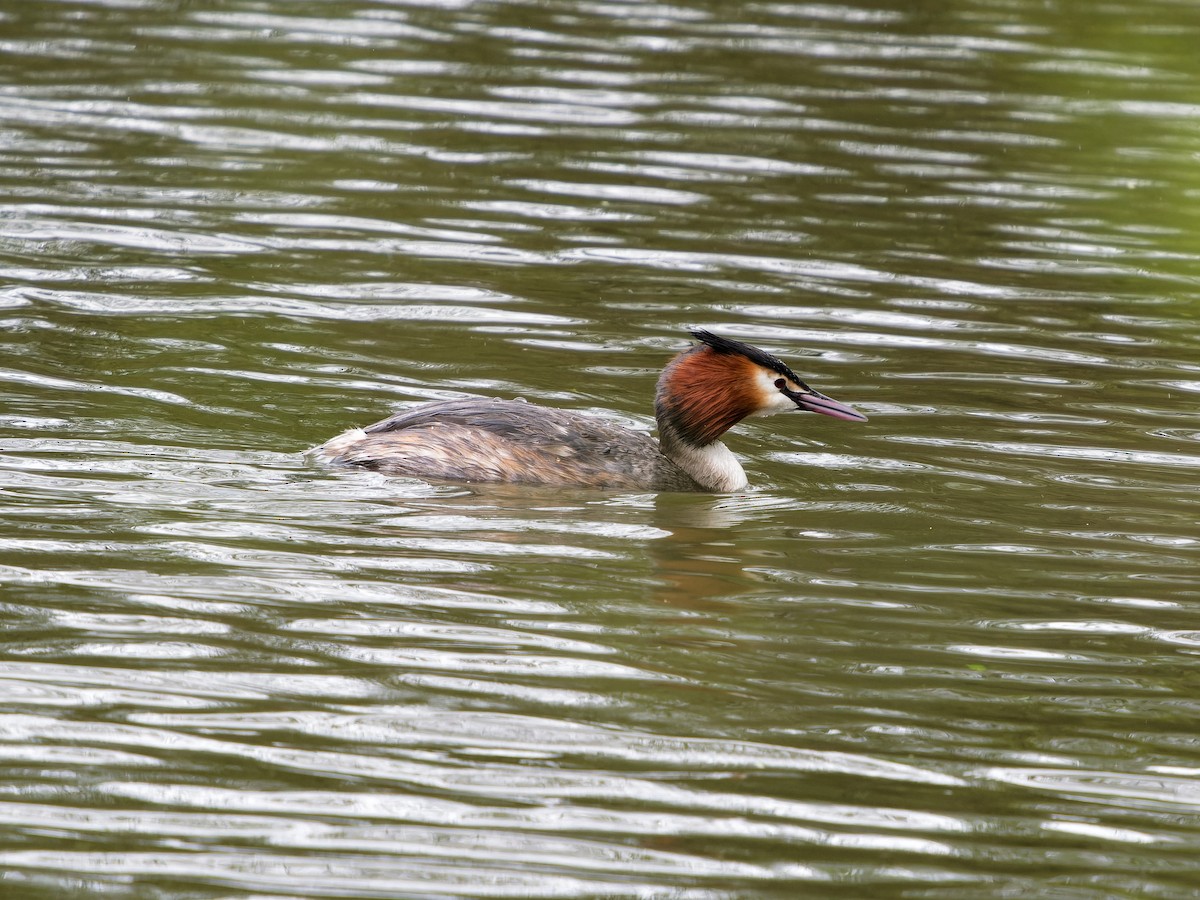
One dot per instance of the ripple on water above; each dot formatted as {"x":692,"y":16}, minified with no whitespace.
{"x":944,"y":653}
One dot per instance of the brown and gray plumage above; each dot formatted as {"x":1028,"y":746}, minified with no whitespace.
{"x":702,"y":393}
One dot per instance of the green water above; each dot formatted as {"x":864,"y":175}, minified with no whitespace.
{"x":948,"y":653}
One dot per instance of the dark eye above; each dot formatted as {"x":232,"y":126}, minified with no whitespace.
{"x":780,"y":383}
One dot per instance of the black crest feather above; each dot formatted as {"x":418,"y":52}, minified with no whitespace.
{"x":761,"y":357}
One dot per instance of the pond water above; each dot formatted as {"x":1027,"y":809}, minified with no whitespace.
{"x":948,"y":653}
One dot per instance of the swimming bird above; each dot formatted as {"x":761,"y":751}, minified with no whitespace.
{"x":701,"y":394}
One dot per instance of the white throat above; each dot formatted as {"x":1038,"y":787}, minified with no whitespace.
{"x":713,"y":466}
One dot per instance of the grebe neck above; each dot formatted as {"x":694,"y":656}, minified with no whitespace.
{"x":713,"y":465}
{"x":701,"y":394}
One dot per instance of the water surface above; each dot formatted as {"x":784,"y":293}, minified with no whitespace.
{"x":944,"y":654}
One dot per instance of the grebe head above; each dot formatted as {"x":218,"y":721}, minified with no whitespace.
{"x":713,"y":385}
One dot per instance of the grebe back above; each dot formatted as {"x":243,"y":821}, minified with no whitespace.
{"x":701,"y":394}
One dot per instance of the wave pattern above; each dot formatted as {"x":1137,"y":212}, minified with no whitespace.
{"x":944,"y":654}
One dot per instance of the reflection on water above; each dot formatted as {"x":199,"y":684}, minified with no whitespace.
{"x":945,"y":654}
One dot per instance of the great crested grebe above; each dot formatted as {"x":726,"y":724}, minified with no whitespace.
{"x":701,"y":394}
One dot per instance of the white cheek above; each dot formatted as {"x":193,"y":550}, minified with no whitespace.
{"x":772,"y":400}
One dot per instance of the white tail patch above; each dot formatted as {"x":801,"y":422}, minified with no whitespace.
{"x":339,"y":445}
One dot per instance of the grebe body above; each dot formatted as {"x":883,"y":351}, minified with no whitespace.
{"x":701,"y":394}
{"x":509,"y":440}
